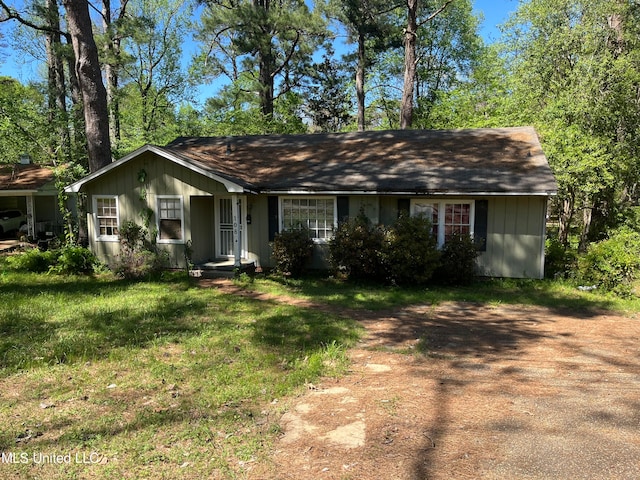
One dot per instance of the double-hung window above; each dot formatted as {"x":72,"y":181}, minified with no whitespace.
{"x":106,"y":217}
{"x":317,"y":214}
{"x":448,"y":217}
{"x":170,"y":219}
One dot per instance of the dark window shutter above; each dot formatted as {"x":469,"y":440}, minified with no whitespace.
{"x":343,"y":209}
{"x":274,"y":223}
{"x":404,"y":205}
{"x":480,"y":225}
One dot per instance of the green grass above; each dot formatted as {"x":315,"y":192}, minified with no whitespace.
{"x":161,"y":379}
{"x":548,"y":293}
{"x":164,"y":379}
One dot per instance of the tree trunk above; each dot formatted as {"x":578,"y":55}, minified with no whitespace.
{"x":94,"y":95}
{"x":360,"y":75}
{"x":410,"y":36}
{"x":587,"y":213}
{"x":265,"y":78}
{"x":266,"y":67}
{"x":564,"y":219}
{"x":112,"y":50}
{"x":411,"y":60}
{"x":56,"y":83}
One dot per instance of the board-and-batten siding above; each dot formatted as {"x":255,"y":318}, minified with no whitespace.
{"x":515,"y":238}
{"x":515,"y":225}
{"x":515,"y":232}
{"x":163,"y":177}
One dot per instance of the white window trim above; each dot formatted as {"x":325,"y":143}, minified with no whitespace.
{"x":170,"y":240}
{"x":281,"y":225}
{"x":96,"y":225}
{"x":441,"y":217}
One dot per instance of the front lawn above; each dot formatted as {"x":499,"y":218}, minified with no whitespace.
{"x":102,"y":378}
{"x":372,"y":296}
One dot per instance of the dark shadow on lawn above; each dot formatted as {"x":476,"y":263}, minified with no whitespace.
{"x":374,"y":296}
{"x":28,"y":337}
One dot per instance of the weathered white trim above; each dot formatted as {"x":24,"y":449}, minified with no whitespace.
{"x":229,"y":185}
{"x":180,"y":240}
{"x":441,"y":213}
{"x":406,"y":193}
{"x":281,"y":225}
{"x":236,"y":215}
{"x":96,"y":223}
{"x":14,"y":193}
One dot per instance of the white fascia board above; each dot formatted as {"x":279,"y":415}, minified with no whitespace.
{"x":16,"y":193}
{"x":229,"y":185}
{"x":408,"y":193}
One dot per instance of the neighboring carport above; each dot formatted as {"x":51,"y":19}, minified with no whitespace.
{"x":31,"y":189}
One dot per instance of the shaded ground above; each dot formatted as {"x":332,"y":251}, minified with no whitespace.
{"x":496,"y":392}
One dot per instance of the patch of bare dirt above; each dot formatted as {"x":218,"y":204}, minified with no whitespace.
{"x":496,"y":392}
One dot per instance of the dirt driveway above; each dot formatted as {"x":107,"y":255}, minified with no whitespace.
{"x":507,"y":392}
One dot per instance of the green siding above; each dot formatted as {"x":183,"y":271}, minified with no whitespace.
{"x":515,"y":225}
{"x":515,"y":243}
{"x":163,"y":177}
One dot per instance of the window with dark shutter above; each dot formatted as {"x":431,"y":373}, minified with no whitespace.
{"x":480,"y":225}
{"x":274,"y":221}
{"x":343,"y":209}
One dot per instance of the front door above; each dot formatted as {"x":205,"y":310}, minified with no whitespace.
{"x":230,"y":216}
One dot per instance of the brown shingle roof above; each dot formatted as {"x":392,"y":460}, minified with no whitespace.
{"x":24,"y":177}
{"x":507,"y":160}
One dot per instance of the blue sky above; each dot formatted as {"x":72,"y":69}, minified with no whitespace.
{"x":495,"y":13}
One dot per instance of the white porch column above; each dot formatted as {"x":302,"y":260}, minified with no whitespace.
{"x":31,"y":231}
{"x":237,"y":230}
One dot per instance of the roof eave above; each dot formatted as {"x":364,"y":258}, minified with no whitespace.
{"x":7,"y":193}
{"x":231,"y":187}
{"x":299,"y":191}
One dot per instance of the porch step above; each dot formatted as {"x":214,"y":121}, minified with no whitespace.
{"x":223,"y":268}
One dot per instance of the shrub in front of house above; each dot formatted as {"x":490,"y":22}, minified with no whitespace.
{"x":612,"y":264}
{"x":139,"y":257}
{"x":34,"y":260}
{"x":66,"y":260}
{"x":75,"y":260}
{"x":559,"y":260}
{"x":356,"y":250}
{"x":411,"y":251}
{"x":291,"y":251}
{"x":457,"y":265}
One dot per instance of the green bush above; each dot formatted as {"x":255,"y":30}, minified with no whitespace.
{"x":411,"y":251}
{"x":35,"y":260}
{"x":457,"y":261}
{"x":66,"y":260}
{"x":138,"y":257}
{"x":132,"y":236}
{"x":356,"y":250}
{"x":613,"y":264}
{"x":75,"y":260}
{"x":291,"y":251}
{"x":559,"y":260}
